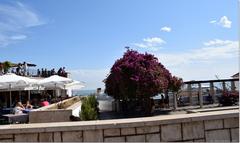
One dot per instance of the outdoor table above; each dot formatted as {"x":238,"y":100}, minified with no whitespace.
{"x":16,"y":118}
{"x":7,"y":110}
{"x":27,"y":110}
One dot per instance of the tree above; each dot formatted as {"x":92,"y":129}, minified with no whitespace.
{"x":6,"y":66}
{"x":175,"y":84}
{"x":137,"y":76}
{"x":175,"y":87}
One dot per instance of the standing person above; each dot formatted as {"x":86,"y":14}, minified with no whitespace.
{"x":48,"y":73}
{"x":59,"y":72}
{"x":209,"y":97}
{"x":18,"y":69}
{"x":1,"y":68}
{"x":162,"y":105}
{"x":64,"y":72}
{"x":53,"y":72}
{"x":166,"y":101}
{"x":180,"y":101}
{"x":38,"y":73}
{"x":45,"y":72}
{"x":25,"y":68}
{"x":42,"y":73}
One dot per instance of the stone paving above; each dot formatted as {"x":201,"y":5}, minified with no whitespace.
{"x":166,"y":111}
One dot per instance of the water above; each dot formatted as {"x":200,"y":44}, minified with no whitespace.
{"x":83,"y":92}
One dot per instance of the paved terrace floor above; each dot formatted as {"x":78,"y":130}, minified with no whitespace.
{"x":170,"y":111}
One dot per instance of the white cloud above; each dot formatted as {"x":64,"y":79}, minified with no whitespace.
{"x":18,"y":37}
{"x":166,"y":29}
{"x":93,"y":78}
{"x":217,"y":42}
{"x":224,"y":22}
{"x":211,"y":51}
{"x":16,"y":18}
{"x":207,"y":71}
{"x":216,"y":57}
{"x":213,"y":21}
{"x":151,"y":44}
{"x":154,"y":40}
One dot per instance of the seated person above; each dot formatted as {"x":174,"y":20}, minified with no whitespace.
{"x":44,"y":103}
{"x":18,"y":109}
{"x":28,"y":105}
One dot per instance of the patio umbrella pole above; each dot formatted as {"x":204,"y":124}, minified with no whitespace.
{"x":28,"y":95}
{"x":10,"y":97}
{"x":20,"y":96}
{"x":55,"y":91}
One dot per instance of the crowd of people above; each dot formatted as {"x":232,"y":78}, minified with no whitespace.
{"x":25,"y":108}
{"x":18,"y":69}
{"x":47,"y":73}
{"x":22,"y":70}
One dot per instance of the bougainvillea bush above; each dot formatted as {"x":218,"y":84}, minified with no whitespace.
{"x":138,"y":76}
{"x":229,"y":98}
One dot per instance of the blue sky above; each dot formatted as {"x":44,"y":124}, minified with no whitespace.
{"x":193,"y":39}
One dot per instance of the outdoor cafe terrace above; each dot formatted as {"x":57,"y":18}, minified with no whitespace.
{"x":15,"y":89}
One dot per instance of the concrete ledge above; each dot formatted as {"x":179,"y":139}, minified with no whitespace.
{"x":119,"y":123}
{"x":213,"y":109}
{"x":75,"y":105}
{"x":55,"y":105}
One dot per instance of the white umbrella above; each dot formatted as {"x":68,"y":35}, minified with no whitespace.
{"x":55,"y":82}
{"x":13,"y":81}
{"x":74,"y":85}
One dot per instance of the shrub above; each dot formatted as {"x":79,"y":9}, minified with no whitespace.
{"x":229,"y":98}
{"x":89,"y":108}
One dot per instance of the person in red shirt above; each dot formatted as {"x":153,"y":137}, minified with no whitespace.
{"x":44,"y":103}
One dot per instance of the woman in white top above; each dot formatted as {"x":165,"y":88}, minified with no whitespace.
{"x":19,"y":108}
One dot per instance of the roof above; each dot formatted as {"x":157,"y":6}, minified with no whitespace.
{"x":235,"y":75}
{"x":207,"y":81}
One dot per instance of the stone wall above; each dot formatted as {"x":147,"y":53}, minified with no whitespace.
{"x":208,"y":126}
{"x":51,"y":115}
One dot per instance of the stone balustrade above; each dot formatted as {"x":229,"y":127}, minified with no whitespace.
{"x":234,"y":86}
{"x":207,"y":126}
